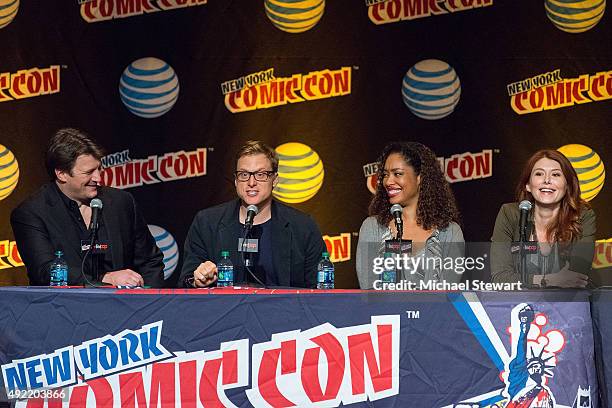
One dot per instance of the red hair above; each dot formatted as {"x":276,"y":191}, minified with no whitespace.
{"x":566,"y":227}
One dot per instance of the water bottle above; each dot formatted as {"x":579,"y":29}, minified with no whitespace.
{"x":325,"y":273}
{"x":225,"y":269}
{"x":58,"y":271}
{"x":389,"y":274}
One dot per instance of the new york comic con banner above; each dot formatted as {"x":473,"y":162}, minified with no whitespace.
{"x":296,"y":350}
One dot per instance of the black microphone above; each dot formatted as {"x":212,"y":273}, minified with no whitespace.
{"x":96,"y":209}
{"x":524,"y":207}
{"x":252,"y":211}
{"x":396,"y":211}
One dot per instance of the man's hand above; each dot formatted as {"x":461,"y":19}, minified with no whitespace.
{"x":123,"y":277}
{"x":205,"y":275}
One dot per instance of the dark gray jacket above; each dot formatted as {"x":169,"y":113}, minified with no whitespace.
{"x":296,"y":242}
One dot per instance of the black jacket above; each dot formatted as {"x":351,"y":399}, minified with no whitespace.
{"x":42,"y":225}
{"x":296,"y":242}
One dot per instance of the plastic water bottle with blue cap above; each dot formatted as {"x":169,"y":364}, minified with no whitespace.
{"x":225,"y":269}
{"x":389,"y":274}
{"x":325,"y":272}
{"x":58,"y":271}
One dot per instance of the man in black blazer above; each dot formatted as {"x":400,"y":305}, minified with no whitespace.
{"x":290,"y":243}
{"x":57,"y":217}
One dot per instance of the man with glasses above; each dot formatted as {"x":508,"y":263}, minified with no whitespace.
{"x":289,"y":243}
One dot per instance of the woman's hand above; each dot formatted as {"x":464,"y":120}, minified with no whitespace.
{"x":565,"y":278}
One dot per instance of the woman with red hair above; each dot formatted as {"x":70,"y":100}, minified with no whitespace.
{"x":560,"y":222}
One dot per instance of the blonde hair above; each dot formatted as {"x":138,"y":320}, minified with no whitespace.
{"x":253,"y":147}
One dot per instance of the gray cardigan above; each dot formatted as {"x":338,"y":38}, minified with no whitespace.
{"x":447,"y":242}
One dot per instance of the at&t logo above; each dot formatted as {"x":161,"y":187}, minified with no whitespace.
{"x":8,"y":11}
{"x":300,"y":173}
{"x":167,"y":244}
{"x":294,"y":16}
{"x":149,"y":87}
{"x":575,"y":16}
{"x":9,"y":172}
{"x":588,"y":166}
{"x":431,"y":89}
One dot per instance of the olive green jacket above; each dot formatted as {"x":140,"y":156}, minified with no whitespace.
{"x":504,"y":265}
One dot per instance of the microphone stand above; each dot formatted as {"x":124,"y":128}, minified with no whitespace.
{"x":523,"y":265}
{"x":523,"y":257}
{"x":246,"y":262}
{"x":524,"y":208}
{"x":398,"y":237}
{"x":544,"y":269}
{"x":94,"y":265}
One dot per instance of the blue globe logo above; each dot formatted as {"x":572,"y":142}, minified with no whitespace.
{"x":8,"y":11}
{"x":167,"y":244}
{"x":149,"y":87}
{"x":431,"y":89}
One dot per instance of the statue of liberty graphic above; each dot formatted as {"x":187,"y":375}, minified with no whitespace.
{"x":528,"y":369}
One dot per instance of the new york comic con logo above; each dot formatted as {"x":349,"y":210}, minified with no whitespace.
{"x":459,"y":167}
{"x":262,"y":90}
{"x":603,"y":254}
{"x":322,"y":366}
{"x":9,"y":255}
{"x":549,"y":91}
{"x":93,"y":11}
{"x":27,"y":83}
{"x":391,"y":11}
{"x":338,"y":247}
{"x":120,"y":171}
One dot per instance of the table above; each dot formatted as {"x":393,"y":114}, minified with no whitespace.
{"x":248,"y":347}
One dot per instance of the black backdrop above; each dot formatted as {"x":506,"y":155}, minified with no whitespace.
{"x":209,"y":43}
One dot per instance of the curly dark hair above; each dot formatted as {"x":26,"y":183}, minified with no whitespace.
{"x":436,"y":207}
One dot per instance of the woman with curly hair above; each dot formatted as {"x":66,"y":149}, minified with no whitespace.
{"x":409,"y":175}
{"x":560,"y":221}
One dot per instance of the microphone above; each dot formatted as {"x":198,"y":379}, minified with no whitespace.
{"x":96,"y":209}
{"x":524,"y":207}
{"x":396,"y":211}
{"x":252,"y":211}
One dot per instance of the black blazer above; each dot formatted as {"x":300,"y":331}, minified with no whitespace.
{"x":296,"y":242}
{"x":42,"y":225}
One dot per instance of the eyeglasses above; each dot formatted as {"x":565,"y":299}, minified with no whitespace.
{"x":259,"y":175}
